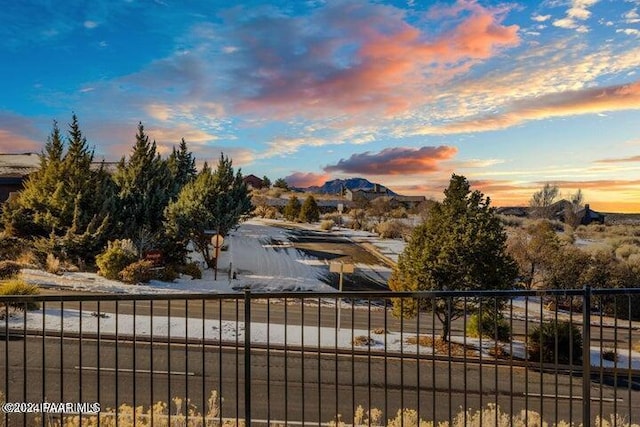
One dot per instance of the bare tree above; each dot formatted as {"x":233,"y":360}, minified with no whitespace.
{"x":542,"y":200}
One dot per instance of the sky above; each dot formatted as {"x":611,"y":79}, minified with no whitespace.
{"x":511,"y":94}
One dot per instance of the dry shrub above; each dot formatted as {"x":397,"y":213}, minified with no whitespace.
{"x":192,"y":269}
{"x":9,"y":269}
{"x":137,"y":272}
{"x":333,"y":216}
{"x":28,"y":259}
{"x":269,"y":212}
{"x":393,"y":229}
{"x":275,"y":192}
{"x":378,"y":331}
{"x":625,"y":250}
{"x":52,"y":264}
{"x":441,"y":346}
{"x":363,"y":340}
{"x":20,"y":287}
{"x":326,"y":224}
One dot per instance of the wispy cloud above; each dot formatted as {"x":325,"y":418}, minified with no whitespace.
{"x":570,"y":103}
{"x":620,"y":160}
{"x":575,"y":15}
{"x":395,"y":161}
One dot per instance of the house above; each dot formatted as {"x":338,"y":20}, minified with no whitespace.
{"x":589,"y":216}
{"x":380,"y":191}
{"x":253,"y":181}
{"x":14,"y":170}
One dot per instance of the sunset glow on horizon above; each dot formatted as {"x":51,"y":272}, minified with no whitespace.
{"x":404,"y":93}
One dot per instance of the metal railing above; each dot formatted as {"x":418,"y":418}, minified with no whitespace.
{"x":297,"y":359}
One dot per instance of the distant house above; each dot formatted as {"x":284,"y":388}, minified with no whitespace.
{"x":379,"y":191}
{"x":14,"y":170}
{"x":253,"y":181}
{"x":588,"y":216}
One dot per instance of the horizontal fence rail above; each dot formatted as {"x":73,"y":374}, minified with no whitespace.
{"x":352,"y":358}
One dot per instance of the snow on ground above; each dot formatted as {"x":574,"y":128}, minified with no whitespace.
{"x":273,"y":333}
{"x":261,"y":255}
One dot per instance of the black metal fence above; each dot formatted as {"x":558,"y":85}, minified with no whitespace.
{"x":511,"y":358}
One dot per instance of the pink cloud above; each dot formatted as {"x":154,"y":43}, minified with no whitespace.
{"x":19,"y":134}
{"x":395,"y":161}
{"x":358,"y":57}
{"x":303,"y":180}
{"x":564,"y":104}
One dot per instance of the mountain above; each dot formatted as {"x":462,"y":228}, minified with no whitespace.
{"x":336,"y":185}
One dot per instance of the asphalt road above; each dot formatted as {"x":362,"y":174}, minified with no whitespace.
{"x":301,"y":387}
{"x":307,"y":386}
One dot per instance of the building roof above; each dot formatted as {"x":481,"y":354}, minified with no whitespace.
{"x":18,"y":165}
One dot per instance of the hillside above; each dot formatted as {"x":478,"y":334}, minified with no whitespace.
{"x":336,"y":185}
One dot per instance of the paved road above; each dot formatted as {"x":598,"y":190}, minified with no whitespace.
{"x":301,"y":387}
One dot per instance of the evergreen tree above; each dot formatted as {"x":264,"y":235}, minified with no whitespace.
{"x":281,"y":183}
{"x":35,"y":210}
{"x":214,"y":200}
{"x":182,"y":166}
{"x":292,"y":209}
{"x":144,"y":188}
{"x":65,"y":200}
{"x":309,"y":212}
{"x":266,"y":182}
{"x":461,"y":246}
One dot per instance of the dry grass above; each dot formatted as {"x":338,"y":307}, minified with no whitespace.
{"x":363,"y":341}
{"x":52,"y":265}
{"x":442,"y":347}
{"x":378,"y":331}
{"x":28,"y":259}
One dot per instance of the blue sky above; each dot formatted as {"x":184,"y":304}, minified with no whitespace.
{"x":510,"y":94}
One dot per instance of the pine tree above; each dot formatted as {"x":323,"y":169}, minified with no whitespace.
{"x":461,"y":246}
{"x":292,"y":209}
{"x":182,"y":166}
{"x":266,"y":182}
{"x":215,"y":200}
{"x":144,"y":189}
{"x":309,"y":212}
{"x":65,"y":201}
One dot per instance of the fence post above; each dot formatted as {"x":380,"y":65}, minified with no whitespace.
{"x":586,"y":357}
{"x":247,"y":357}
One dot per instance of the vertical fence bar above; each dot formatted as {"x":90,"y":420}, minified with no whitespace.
{"x":286,"y":366}
{"x":117,"y":406}
{"x":80,"y":360}
{"x":353,"y":365}
{"x":629,"y":383}
{"x":169,"y":361}
{"x":586,"y":359}
{"x":24,"y":358}
{"x":43,"y":357}
{"x":6,"y":360}
{"x":247,"y":357}
{"x":319,"y":361}
{"x":186,"y":360}
{"x":133,"y":362}
{"x":220,"y":391}
{"x":269,"y":361}
{"x":204,"y":365}
{"x":98,"y":360}
{"x":151,"y":359}
{"x":61,"y":351}
{"x":237,"y":396}
{"x":302,"y":357}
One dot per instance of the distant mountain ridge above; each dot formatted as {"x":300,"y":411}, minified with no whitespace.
{"x":335,"y":186}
